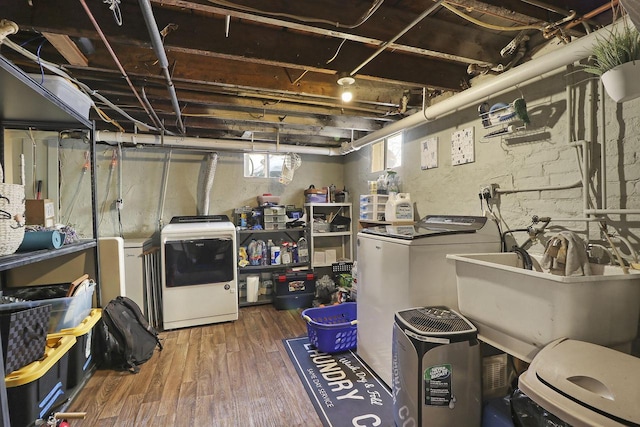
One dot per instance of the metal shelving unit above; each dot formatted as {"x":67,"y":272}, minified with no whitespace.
{"x":322,"y":241}
{"x":25,"y":104}
{"x":244,"y":236}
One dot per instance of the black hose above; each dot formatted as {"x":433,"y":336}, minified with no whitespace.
{"x":527,"y":263}
{"x":503,"y":236}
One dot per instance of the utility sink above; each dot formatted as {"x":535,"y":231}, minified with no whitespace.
{"x":520,"y":311}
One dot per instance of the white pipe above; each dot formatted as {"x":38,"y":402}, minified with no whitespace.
{"x":603,"y":149}
{"x":578,"y":183}
{"x":211,"y":144}
{"x":576,"y":219}
{"x":574,"y":51}
{"x":612,"y":211}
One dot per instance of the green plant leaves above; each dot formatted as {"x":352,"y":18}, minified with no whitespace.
{"x":618,"y":48}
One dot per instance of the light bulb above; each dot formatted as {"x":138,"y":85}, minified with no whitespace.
{"x":347,"y":96}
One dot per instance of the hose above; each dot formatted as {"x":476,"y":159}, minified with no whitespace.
{"x":527,"y":263}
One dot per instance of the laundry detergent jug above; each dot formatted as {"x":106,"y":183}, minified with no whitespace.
{"x":399,"y":208}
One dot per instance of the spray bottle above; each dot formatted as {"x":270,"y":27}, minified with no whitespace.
{"x":303,"y":250}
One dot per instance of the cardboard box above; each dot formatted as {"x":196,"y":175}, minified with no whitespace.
{"x":40,"y":212}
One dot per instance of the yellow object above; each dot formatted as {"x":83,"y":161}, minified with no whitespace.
{"x":83,"y":328}
{"x":55,"y":350}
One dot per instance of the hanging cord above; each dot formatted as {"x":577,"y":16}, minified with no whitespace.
{"x":117,"y":61}
{"x":473,"y":20}
{"x":114,"y":6}
{"x":34,"y":153}
{"x":328,"y":62}
{"x":374,"y":7}
{"x":112,"y":166}
{"x":85,"y":167}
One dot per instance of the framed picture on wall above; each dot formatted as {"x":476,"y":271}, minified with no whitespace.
{"x":429,"y":153}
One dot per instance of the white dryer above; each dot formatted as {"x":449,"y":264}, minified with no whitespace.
{"x":404,"y":266}
{"x":199,"y":278}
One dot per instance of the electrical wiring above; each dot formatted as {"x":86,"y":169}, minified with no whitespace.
{"x":374,"y":7}
{"x":34,"y":153}
{"x":337,"y":52}
{"x":473,"y":20}
{"x":124,"y":74}
{"x":85,"y":167}
{"x":56,"y":69}
{"x":328,"y":62}
{"x":112,"y":166}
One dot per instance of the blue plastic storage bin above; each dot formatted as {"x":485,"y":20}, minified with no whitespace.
{"x":332,"y":329}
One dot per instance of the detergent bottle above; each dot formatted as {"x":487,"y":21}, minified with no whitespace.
{"x":398,"y":208}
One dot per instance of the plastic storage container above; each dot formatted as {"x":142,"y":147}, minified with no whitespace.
{"x":81,"y":357}
{"x":294,"y":290}
{"x":34,"y":390}
{"x":24,"y":335}
{"x":312,"y":195}
{"x":67,"y":92}
{"x":66,"y":312}
{"x":332,"y":329}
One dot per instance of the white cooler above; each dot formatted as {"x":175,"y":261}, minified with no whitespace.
{"x":585,"y":384}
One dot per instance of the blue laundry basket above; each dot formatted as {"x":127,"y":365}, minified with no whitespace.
{"x":332,"y":329}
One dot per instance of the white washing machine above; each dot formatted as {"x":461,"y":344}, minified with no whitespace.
{"x":405,"y":266}
{"x":199,"y":279}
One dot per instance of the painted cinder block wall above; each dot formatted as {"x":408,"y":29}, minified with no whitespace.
{"x":540,"y":156}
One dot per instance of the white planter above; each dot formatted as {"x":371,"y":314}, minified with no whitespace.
{"x":622,"y":82}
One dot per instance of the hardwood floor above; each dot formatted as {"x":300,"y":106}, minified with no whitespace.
{"x":229,"y":374}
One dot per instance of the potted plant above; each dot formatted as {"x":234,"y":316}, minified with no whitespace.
{"x":616,"y":59}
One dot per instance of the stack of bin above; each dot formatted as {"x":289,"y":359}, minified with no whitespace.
{"x":40,"y":388}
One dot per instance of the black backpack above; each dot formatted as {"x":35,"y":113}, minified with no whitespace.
{"x":126,"y":338}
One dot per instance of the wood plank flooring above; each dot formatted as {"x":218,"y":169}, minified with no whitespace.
{"x":228,"y":374}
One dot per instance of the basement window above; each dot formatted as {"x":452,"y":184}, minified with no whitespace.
{"x":387,"y":154}
{"x":262,"y":165}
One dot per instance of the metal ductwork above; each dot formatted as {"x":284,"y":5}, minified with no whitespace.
{"x":158,"y":47}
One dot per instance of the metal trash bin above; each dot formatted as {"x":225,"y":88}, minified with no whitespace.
{"x":437,"y":377}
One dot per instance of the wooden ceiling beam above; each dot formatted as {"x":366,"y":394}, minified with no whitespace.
{"x":67,"y":48}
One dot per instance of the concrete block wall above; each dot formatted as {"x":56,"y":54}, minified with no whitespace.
{"x":539,"y":157}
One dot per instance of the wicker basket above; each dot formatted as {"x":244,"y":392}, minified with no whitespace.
{"x":11,"y":216}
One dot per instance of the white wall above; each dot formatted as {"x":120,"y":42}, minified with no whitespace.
{"x":540,"y":156}
{"x":142,"y":183}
